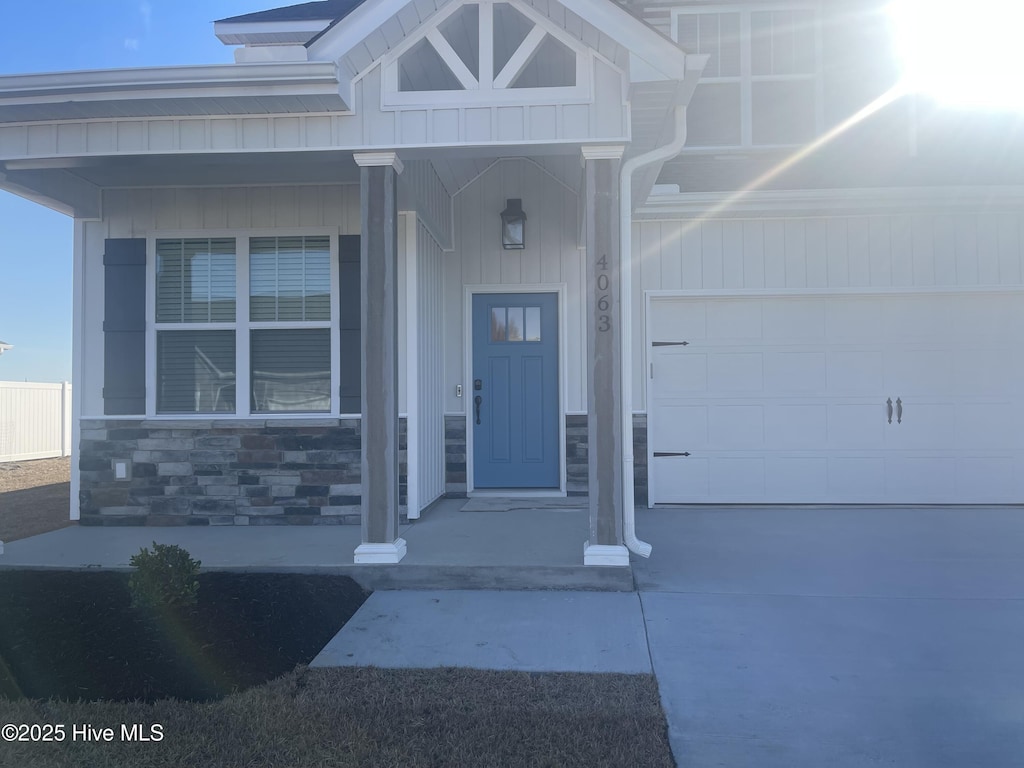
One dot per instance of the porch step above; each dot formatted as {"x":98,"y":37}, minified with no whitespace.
{"x":507,"y":577}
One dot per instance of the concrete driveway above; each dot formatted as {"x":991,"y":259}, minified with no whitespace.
{"x":838,"y":637}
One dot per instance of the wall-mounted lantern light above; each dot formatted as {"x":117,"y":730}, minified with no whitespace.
{"x":513,"y":226}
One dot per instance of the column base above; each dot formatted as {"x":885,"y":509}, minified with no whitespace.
{"x":605,"y":554}
{"x":380,"y":553}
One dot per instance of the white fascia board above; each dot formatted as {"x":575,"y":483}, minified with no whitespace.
{"x":241,"y":33}
{"x":355,"y":28}
{"x":197,"y":78}
{"x":277,"y":78}
{"x":643,"y":42}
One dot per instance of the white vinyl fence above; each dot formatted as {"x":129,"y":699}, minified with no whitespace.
{"x":35,"y":420}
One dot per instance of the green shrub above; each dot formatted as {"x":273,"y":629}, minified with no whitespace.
{"x":167,"y":575}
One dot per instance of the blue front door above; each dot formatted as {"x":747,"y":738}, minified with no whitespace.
{"x":514,"y":392}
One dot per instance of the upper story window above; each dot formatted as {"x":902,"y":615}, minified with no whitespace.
{"x":489,"y":50}
{"x":761,"y":83}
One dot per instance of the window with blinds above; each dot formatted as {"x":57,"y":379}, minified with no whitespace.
{"x":289,"y":279}
{"x":195,"y":281}
{"x":195,"y":371}
{"x":761,"y":82}
{"x":290,"y":283}
{"x":278,"y":346}
{"x":195,"y":286}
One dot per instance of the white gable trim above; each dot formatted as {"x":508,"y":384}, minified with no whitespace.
{"x":492,"y":87}
{"x":656,"y":57}
{"x":355,"y":28}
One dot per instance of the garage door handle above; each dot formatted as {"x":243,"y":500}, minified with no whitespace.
{"x":899,"y":411}
{"x":888,"y":408}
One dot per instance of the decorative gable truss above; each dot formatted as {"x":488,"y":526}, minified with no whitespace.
{"x":488,"y":51}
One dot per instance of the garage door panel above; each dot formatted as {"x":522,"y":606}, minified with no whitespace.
{"x":986,"y":373}
{"x":737,"y":479}
{"x":856,"y":426}
{"x":798,"y":320}
{"x":920,"y":479}
{"x":772,"y":410}
{"x":734,"y":321}
{"x":795,"y":427}
{"x":926,"y":425}
{"x":689,"y":476}
{"x":998,"y":477}
{"x":916,"y":319}
{"x":680,"y":373}
{"x":855,"y":371}
{"x":985,"y":426}
{"x":680,"y":427}
{"x":797,"y":479}
{"x":735,"y":426}
{"x":918,"y":371}
{"x":670,"y":319}
{"x":796,"y":371}
{"x":855,"y":320}
{"x":735,"y":372}
{"x":856,"y":478}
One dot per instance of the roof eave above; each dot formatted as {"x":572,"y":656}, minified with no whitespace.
{"x":244,"y":33}
{"x":303,"y":78}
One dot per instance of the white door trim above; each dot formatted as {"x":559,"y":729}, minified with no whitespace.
{"x":560,"y":289}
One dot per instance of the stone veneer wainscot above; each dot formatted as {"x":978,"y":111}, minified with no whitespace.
{"x":225,"y":472}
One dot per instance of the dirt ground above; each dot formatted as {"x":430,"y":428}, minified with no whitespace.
{"x":34,"y":497}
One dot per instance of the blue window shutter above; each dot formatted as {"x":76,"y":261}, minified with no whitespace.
{"x":350,"y":296}
{"x":124,"y":326}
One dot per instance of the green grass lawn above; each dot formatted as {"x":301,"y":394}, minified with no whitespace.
{"x":370,"y":717}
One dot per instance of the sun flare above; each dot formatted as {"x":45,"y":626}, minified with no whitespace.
{"x":962,"y":54}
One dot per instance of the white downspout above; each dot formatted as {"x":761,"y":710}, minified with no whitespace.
{"x":630,"y":167}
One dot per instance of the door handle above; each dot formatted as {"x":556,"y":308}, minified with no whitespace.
{"x":477,"y":401}
{"x":888,"y":409}
{"x":899,"y":411}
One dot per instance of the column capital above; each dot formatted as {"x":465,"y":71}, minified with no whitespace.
{"x":603,"y":151}
{"x":378,"y":159}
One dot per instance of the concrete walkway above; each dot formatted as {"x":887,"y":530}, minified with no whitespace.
{"x":781,"y":638}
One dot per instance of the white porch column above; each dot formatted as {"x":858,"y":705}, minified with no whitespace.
{"x":604,"y":357}
{"x":379,"y":281}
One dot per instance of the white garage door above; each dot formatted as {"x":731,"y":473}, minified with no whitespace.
{"x":787,"y":400}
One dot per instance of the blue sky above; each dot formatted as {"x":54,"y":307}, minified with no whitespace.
{"x":36,"y":247}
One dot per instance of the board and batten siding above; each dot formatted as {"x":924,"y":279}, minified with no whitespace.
{"x":139,"y":212}
{"x":920,"y":249}
{"x":604,"y":118}
{"x":551,"y":257}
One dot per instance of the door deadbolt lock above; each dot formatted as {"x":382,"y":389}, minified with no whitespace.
{"x":478,"y":384}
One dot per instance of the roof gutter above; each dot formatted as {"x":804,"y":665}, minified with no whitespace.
{"x":695,"y":64}
{"x":631,"y":166}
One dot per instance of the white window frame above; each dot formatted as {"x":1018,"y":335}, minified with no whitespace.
{"x":746,"y":78}
{"x":242,"y":325}
{"x":492,"y":87}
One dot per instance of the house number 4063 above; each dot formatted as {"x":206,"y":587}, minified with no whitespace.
{"x":604,"y":320}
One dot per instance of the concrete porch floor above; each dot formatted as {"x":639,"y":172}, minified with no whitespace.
{"x":496,"y":548}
